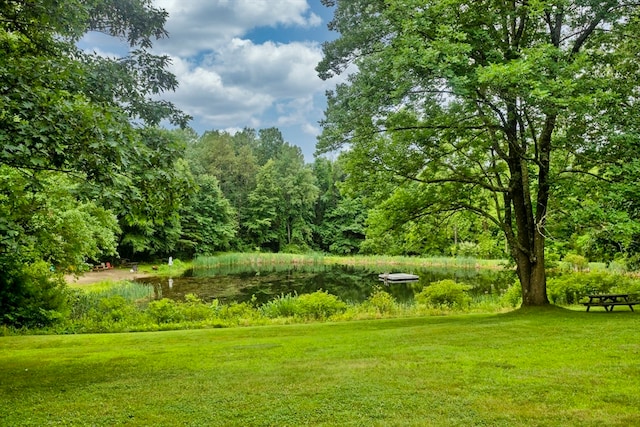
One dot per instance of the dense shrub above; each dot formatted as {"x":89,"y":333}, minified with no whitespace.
{"x":282,"y":306}
{"x":194,"y":309}
{"x":576,"y":262}
{"x":445,"y":293}
{"x":238,"y":312}
{"x":571,"y":288}
{"x":512,"y":296}
{"x":165,"y":311}
{"x":115,"y":308}
{"x":319,"y":305}
{"x":381,"y":301}
{"x":31,"y":296}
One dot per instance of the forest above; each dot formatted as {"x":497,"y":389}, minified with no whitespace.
{"x":519,"y":142}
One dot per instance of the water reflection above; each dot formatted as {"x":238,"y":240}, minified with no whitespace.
{"x":349,"y":283}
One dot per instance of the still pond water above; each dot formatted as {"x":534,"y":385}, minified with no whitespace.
{"x":349,"y":283}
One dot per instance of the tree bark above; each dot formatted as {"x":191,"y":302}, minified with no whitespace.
{"x":527,"y":241}
{"x":532,"y":275}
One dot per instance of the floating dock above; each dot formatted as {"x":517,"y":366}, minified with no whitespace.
{"x":398,"y":278}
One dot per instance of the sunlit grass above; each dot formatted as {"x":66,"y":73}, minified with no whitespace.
{"x":547,"y":367}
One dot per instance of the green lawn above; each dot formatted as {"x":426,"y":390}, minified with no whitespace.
{"x":546,"y":368}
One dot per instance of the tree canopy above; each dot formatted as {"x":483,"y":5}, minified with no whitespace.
{"x":78,"y":139}
{"x":485,"y":106}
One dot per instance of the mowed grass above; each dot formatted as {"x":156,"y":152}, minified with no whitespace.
{"x":546,"y":367}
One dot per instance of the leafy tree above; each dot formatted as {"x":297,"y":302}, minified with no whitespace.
{"x":45,"y":229}
{"x":339,"y":219}
{"x":88,"y":117}
{"x":269,"y":145}
{"x":231,"y":160}
{"x":598,"y":218}
{"x":280,"y":213}
{"x":148,"y":204}
{"x":208,"y":221}
{"x":52,"y":223}
{"x":299,"y":193}
{"x":344,"y":227}
{"x":263,"y":222}
{"x":68,"y":110}
{"x":483,"y":106}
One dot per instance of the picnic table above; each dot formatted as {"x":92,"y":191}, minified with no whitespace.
{"x":608,"y":301}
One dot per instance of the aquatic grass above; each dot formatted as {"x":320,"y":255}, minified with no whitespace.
{"x":130,"y":290}
{"x":274,"y":259}
{"x":405,"y":261}
{"x":91,"y":299}
{"x":255,"y":259}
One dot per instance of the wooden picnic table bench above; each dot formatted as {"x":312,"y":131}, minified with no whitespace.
{"x":608,"y":301}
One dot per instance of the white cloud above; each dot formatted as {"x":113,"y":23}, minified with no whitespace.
{"x":240,"y":83}
{"x":203,"y":93}
{"x":228,"y":81}
{"x":204,"y":25}
{"x":284,"y":70}
{"x":310,"y":129}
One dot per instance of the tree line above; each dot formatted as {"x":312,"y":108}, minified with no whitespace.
{"x":493,"y":129}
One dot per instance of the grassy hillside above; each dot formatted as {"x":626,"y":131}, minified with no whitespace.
{"x":544,"y":368}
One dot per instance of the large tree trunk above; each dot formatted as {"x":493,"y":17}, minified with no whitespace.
{"x":534,"y":283}
{"x":527,"y":239}
{"x":532,"y":276}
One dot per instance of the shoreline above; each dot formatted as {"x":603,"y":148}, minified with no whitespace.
{"x":112,"y":275}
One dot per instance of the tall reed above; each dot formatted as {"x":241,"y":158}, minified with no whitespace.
{"x":83,"y":300}
{"x":256,"y":259}
{"x":271,"y":259}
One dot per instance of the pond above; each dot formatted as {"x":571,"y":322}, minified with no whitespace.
{"x":349,"y":283}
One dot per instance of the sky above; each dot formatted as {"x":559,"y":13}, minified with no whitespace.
{"x":244,"y":63}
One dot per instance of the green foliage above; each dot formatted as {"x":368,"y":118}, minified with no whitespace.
{"x":114,"y":309}
{"x":194,"y":309}
{"x":481,"y":107}
{"x":282,"y":306}
{"x":208,"y":221}
{"x":445,"y":293}
{"x":576,"y":262}
{"x":271,"y":191}
{"x":44,"y":219}
{"x":263,"y":222}
{"x":165,"y":311}
{"x":69,"y":110}
{"x":343,"y":228}
{"x":149,"y":206}
{"x":571,"y":288}
{"x":281,"y":206}
{"x":381,"y":301}
{"x":513,"y":296}
{"x":79,"y":145}
{"x":319,"y":305}
{"x":30,"y":296}
{"x":238,"y":313}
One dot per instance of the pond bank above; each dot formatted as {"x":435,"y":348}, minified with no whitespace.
{"x":112,"y":275}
